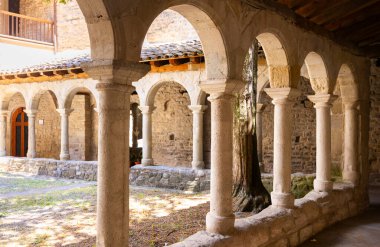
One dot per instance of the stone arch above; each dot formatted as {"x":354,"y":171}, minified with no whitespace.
{"x":346,"y":85}
{"x":318,"y":73}
{"x":6,"y":96}
{"x":260,"y":91}
{"x":100,"y":29}
{"x":276,"y":56}
{"x":68,"y":99}
{"x":35,"y":99}
{"x":155,"y":87}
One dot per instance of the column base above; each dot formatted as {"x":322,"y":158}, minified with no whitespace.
{"x":198,"y":165}
{"x":322,"y":185}
{"x":220,"y":224}
{"x":282,"y":200}
{"x":147,"y":162}
{"x":64,"y":156}
{"x":351,"y":177}
{"x":31,"y":155}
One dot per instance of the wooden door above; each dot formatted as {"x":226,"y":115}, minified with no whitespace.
{"x":19,"y":133}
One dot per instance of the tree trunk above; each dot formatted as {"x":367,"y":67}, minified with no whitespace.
{"x":249,"y":193}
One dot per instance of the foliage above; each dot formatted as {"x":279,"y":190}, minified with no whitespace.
{"x":58,"y":1}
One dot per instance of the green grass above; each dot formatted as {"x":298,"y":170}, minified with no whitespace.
{"x":79,"y":197}
{"x":300,"y":185}
{"x":19,"y":183}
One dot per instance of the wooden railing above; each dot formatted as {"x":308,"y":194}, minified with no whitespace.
{"x":26,"y":28}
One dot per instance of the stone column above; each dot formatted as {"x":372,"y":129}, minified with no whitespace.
{"x":147,"y":111}
{"x":259,"y":133}
{"x":351,"y":172}
{"x":113,"y":165}
{"x":221,"y":219}
{"x":31,"y":133}
{"x":323,"y":102}
{"x":65,"y":113}
{"x":3,"y":133}
{"x":198,"y":111}
{"x":282,"y":150}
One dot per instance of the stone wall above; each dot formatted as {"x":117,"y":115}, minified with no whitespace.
{"x":303,"y":137}
{"x":16,"y":102}
{"x":287,"y":227}
{"x":48,"y":128}
{"x":172,"y":126}
{"x":184,"y":179}
{"x":374,"y":142}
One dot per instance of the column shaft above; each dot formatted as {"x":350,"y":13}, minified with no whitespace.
{"x":31,"y":133}
{"x":198,"y":111}
{"x":65,"y":154}
{"x":3,"y":133}
{"x":221,"y":219}
{"x":113,"y":165}
{"x":351,"y":124}
{"x":282,"y":146}
{"x":322,"y":182}
{"x":147,"y":159}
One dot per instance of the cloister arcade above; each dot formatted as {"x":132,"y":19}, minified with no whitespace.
{"x":338,"y":78}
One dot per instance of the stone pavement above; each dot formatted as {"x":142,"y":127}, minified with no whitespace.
{"x":360,"y":231}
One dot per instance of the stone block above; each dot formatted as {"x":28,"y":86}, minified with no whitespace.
{"x":306,"y":233}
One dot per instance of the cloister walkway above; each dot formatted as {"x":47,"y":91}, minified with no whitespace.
{"x":360,"y":231}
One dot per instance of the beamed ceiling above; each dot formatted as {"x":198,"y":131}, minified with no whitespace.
{"x":352,"y":23}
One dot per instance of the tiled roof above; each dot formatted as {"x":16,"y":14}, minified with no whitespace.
{"x":149,"y":52}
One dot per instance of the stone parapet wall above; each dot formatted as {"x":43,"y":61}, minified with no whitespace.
{"x":85,"y":170}
{"x":287,"y":227}
{"x":185,"y":179}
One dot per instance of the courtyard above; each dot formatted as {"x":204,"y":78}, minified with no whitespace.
{"x":45,"y":211}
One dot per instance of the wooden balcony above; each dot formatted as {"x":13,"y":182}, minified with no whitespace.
{"x":26,"y":29}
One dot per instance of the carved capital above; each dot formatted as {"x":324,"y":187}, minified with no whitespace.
{"x":65,"y":112}
{"x":147,"y":109}
{"x":31,"y":113}
{"x":220,"y":96}
{"x":197,"y":108}
{"x":322,"y":100}
{"x":282,"y":95}
{"x":226,"y":86}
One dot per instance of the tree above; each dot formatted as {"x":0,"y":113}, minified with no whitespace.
{"x":249,"y":193}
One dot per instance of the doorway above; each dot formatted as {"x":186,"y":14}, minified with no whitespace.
{"x":19,"y":133}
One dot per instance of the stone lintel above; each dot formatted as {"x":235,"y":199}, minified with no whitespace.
{"x":217,"y":86}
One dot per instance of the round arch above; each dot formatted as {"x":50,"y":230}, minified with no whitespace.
{"x":151,"y":94}
{"x":35,"y":99}
{"x":319,"y":77}
{"x":8,"y":95}
{"x":67,"y":101}
{"x":346,"y":85}
{"x":277,"y":60}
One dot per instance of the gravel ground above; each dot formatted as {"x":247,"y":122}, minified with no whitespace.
{"x":67,"y":217}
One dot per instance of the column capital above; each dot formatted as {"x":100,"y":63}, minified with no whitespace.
{"x":221,"y":86}
{"x":116,"y":71}
{"x":197,"y":108}
{"x":103,"y":86}
{"x":322,"y":100}
{"x":31,"y":113}
{"x":147,"y":109}
{"x":220,"y":96}
{"x":260,"y":107}
{"x":282,"y":95}
{"x":65,"y":111}
{"x":350,"y":104}
{"x":4,"y":113}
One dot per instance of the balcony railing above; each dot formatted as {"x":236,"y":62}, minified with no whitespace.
{"x":26,"y":28}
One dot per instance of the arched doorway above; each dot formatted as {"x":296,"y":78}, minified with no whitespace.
{"x":19,"y":133}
